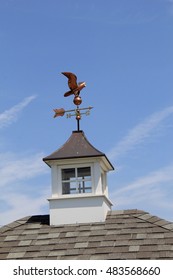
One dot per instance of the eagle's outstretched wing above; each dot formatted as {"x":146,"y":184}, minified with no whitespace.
{"x":72,"y":80}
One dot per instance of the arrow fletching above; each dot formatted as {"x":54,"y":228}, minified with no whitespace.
{"x":59,"y":112}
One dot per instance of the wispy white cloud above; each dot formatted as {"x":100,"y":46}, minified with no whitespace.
{"x":153,"y":179}
{"x":153,"y":191}
{"x":11,"y":115}
{"x":139,"y":133}
{"x":18,"y":194}
{"x":21,"y":205}
{"x":14,"y":168}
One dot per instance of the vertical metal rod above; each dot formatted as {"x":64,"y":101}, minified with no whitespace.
{"x":78,"y":124}
{"x":78,"y":116}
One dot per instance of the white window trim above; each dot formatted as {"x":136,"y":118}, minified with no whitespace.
{"x":75,"y":166}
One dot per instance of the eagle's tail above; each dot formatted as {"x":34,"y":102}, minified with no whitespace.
{"x":68,"y":93}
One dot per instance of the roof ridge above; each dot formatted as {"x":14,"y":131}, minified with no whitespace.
{"x":14,"y":224}
{"x":155,"y":220}
{"x":127,"y":211}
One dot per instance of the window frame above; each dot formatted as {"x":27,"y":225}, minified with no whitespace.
{"x":77,"y":181}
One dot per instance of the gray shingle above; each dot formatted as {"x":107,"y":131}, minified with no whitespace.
{"x":11,"y":238}
{"x":98,"y":257}
{"x":169,"y":226}
{"x":25,"y":243}
{"x":18,"y":255}
{"x":72,"y":234}
{"x":126,"y":234}
{"x":57,"y":253}
{"x":41,"y":242}
{"x":81,"y":245}
{"x":134,"y":248}
{"x":106,"y":243}
{"x":94,"y":244}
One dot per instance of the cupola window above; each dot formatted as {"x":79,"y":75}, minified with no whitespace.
{"x":76,"y":180}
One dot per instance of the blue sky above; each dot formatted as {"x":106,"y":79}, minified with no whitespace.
{"x":123,"y":50}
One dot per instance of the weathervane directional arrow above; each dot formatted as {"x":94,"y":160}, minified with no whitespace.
{"x":61,"y":111}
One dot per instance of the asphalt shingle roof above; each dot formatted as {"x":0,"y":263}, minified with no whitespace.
{"x":126,"y":234}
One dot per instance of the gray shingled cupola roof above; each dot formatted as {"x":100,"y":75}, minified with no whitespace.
{"x":77,"y":146}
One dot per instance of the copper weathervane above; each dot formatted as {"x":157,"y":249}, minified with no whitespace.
{"x":75,"y":89}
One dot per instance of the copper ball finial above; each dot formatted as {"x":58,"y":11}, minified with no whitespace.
{"x":78,"y":117}
{"x":77,"y":100}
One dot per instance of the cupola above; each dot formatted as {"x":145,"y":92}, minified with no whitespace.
{"x":79,"y":171}
{"x":79,"y":182}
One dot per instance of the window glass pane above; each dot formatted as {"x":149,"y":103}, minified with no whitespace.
{"x":73,"y":191}
{"x":87,"y":190}
{"x":87,"y":184}
{"x":84,"y":187}
{"x":68,"y":174}
{"x":69,"y":188}
{"x":65,"y":188}
{"x":84,"y":172}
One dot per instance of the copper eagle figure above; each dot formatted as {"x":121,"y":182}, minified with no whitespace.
{"x":74,"y":87}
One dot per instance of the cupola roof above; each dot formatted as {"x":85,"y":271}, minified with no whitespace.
{"x":77,"y":146}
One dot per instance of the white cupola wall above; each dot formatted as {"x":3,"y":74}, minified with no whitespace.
{"x":79,"y":182}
